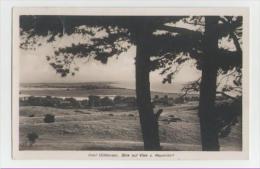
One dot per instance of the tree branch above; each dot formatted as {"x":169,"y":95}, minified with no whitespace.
{"x":194,"y":86}
{"x":228,"y":96}
{"x":236,"y":42}
{"x":226,"y":75}
{"x":180,"y":30}
{"x":158,"y":113}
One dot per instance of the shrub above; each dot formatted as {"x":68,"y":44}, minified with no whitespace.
{"x":85,"y":103}
{"x":72,"y":102}
{"x":174,"y":119}
{"x":79,"y":111}
{"x":227,"y":115}
{"x":118,"y":100}
{"x":106,"y":101}
{"x":165,"y":100}
{"x":94,"y":101}
{"x":156,"y":97}
{"x":47,"y":101}
{"x":130,"y":101}
{"x":49,"y":118}
{"x":31,"y":115}
{"x":32,"y":137}
{"x":179,"y":100}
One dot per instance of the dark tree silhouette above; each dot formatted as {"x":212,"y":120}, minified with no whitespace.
{"x":142,"y":37}
{"x":120,"y":33}
{"x":203,"y":46}
{"x":208,"y":126}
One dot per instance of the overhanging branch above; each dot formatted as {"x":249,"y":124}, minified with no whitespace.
{"x":180,"y":30}
{"x":226,"y":95}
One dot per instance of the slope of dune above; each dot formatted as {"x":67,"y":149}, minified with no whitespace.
{"x":113,"y":130}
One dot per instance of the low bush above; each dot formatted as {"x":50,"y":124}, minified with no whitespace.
{"x":49,"y":118}
{"x":179,"y":100}
{"x":31,"y":115}
{"x":32,"y":137}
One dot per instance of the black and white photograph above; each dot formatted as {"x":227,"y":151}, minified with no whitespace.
{"x":122,"y":82}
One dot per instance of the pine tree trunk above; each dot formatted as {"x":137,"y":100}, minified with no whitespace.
{"x":209,"y":134}
{"x":148,"y":120}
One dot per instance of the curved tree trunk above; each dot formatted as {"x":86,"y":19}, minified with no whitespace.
{"x":209,"y":133}
{"x":149,"y":124}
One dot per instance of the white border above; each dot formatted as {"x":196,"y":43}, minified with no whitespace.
{"x":177,"y":155}
{"x":5,"y":156}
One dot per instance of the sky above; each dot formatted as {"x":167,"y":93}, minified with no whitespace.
{"x":35,"y":68}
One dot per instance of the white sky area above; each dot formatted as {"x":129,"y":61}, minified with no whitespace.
{"x":35,"y":68}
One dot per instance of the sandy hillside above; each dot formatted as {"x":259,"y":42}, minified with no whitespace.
{"x":113,"y":130}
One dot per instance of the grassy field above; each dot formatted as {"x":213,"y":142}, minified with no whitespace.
{"x":90,"y":129}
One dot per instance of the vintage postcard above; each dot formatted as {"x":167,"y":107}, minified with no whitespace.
{"x":130,"y":83}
